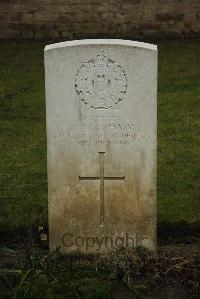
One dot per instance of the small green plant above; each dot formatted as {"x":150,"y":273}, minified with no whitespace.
{"x":55,"y":276}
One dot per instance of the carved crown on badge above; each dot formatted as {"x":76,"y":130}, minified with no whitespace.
{"x":101,"y":83}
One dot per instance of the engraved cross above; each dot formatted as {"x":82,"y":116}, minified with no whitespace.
{"x":102,"y":178}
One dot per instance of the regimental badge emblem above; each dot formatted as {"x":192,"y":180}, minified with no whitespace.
{"x":101,"y":83}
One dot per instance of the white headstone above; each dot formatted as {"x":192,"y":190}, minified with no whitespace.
{"x":101,"y":100}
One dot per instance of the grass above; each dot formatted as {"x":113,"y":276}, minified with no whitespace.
{"x":23,"y":174}
{"x":121,"y":274}
{"x":178,"y":128}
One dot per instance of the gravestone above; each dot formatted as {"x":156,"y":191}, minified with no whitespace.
{"x":101,"y":141}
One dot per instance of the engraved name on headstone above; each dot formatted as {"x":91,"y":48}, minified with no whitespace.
{"x":101,"y":100}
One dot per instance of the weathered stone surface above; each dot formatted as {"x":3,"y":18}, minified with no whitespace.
{"x":101,"y":131}
{"x":86,"y":18}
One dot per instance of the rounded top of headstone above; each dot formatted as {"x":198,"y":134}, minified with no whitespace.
{"x":117,"y":42}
